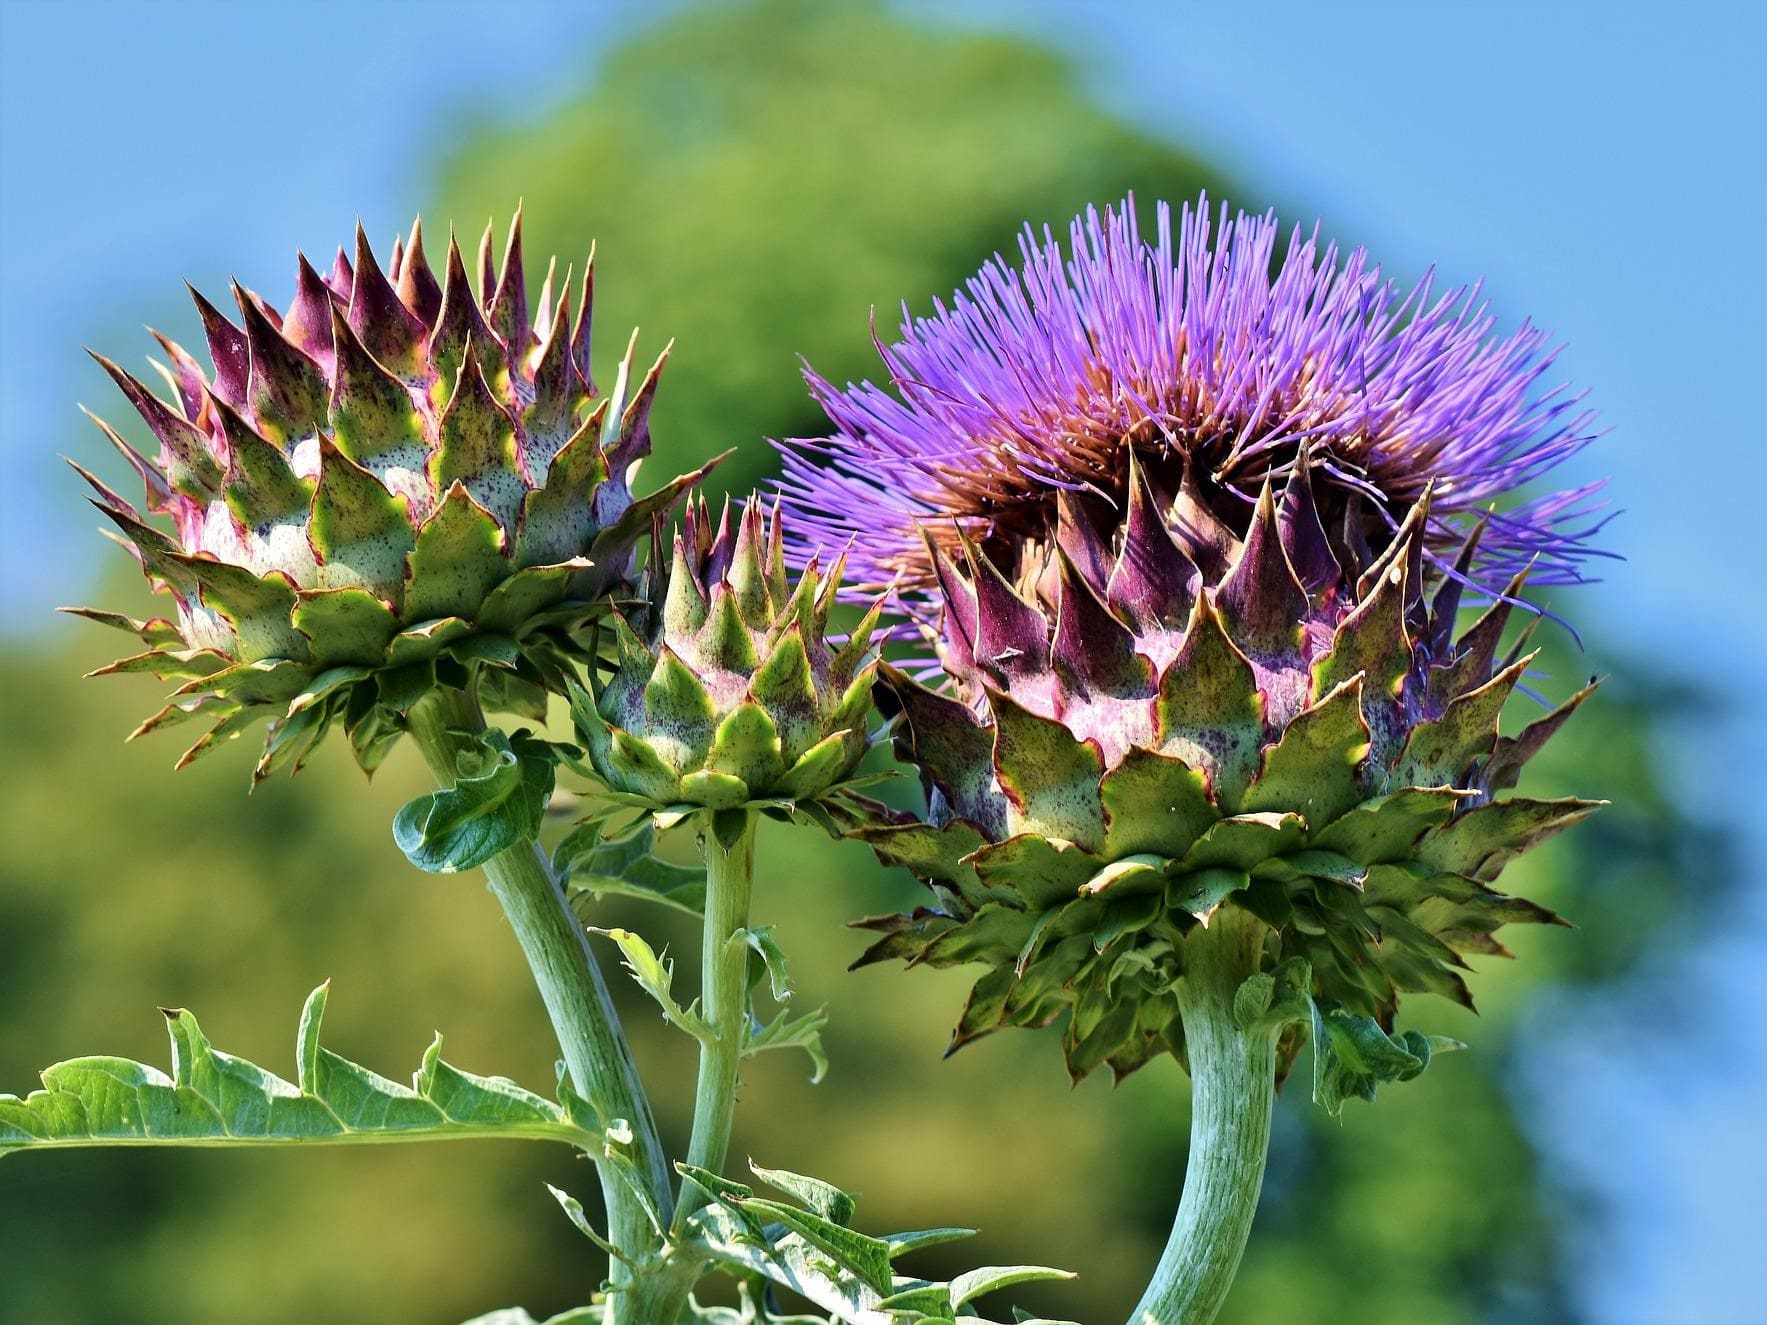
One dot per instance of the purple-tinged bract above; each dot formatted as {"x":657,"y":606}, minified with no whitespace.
{"x":1214,"y":364}
{"x":390,"y":483}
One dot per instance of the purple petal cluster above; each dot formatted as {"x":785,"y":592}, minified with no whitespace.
{"x":1216,"y":365}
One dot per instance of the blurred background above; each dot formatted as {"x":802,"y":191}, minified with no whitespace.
{"x":759,"y":177}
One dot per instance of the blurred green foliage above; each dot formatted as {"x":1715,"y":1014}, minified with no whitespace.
{"x":757,"y":177}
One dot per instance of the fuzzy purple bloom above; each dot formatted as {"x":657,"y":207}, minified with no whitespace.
{"x":1216,"y":366}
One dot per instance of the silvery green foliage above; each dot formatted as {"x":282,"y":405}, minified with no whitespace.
{"x":214,"y":1098}
{"x":807,"y":1243}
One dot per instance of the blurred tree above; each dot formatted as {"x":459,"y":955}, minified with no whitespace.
{"x":757,"y":176}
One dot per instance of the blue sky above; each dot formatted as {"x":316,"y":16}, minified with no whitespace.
{"x":1590,"y":160}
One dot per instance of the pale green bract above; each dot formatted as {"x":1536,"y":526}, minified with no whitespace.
{"x":215,"y":1098}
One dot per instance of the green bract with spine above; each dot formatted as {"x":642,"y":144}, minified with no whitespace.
{"x":1153,"y":725}
{"x":387,"y":484}
{"x":727,"y":690}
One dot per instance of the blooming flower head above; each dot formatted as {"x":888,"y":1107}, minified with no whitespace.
{"x":1191,"y":538}
{"x":1215,"y":365}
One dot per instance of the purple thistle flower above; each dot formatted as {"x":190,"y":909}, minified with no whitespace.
{"x":1216,"y":366}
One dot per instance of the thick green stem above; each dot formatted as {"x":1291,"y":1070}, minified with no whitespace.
{"x":724,"y":961}
{"x":596,"y":1054}
{"x":1233,"y":1086}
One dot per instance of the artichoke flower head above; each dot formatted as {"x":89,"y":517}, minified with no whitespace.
{"x":729,"y":689}
{"x":1189,"y":540}
{"x":389,"y":484}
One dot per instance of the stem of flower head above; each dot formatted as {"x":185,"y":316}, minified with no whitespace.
{"x":1233,"y":1087}
{"x":729,"y":843}
{"x":596,"y":1054}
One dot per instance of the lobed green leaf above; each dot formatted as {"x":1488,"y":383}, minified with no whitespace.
{"x":215,"y":1098}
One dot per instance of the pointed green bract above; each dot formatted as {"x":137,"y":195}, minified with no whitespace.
{"x":457,"y":560}
{"x":1314,"y":768}
{"x":1209,"y":712}
{"x":1061,"y":795}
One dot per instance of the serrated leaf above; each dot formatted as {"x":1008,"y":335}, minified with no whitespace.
{"x":866,"y":1257}
{"x":498,"y":799}
{"x":718,"y":1188}
{"x":655,"y":975}
{"x":726,"y":1235}
{"x":215,"y":1098}
{"x":785,"y":1031}
{"x":817,"y":1254}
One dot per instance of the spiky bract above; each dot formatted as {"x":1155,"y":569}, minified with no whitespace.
{"x":1202,"y":356}
{"x":727,"y":690}
{"x":387,"y":482}
{"x":1150,"y":743}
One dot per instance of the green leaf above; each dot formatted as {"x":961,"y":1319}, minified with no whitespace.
{"x":655,"y":975}
{"x":573,"y":1209}
{"x":788,"y":1032}
{"x":519,"y":1316}
{"x":498,"y":799}
{"x":816,"y":1253}
{"x":1353,"y":1056}
{"x":920,"y":1302}
{"x":626,"y":868}
{"x":773,"y":962}
{"x":868,"y":1258}
{"x":990,"y":1278}
{"x":214,"y":1098}
{"x":714,"y":1186}
{"x":727,"y":1235}
{"x":903,"y":1243}
{"x":824,"y":1198}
